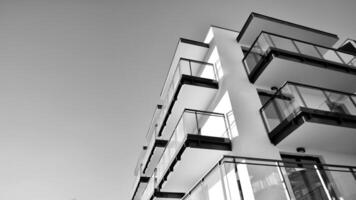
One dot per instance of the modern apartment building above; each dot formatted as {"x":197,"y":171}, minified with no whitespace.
{"x":268,"y":112}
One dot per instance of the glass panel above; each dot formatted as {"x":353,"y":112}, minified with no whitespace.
{"x":214,"y":185}
{"x":340,"y":103}
{"x":314,"y":98}
{"x":147,"y":194}
{"x":197,"y":68}
{"x":257,"y":52}
{"x":186,"y":67}
{"x":231,"y":181}
{"x":353,"y":62}
{"x":191,"y":122}
{"x":346,"y":57}
{"x":330,"y":55}
{"x":291,"y":97}
{"x":261,"y":182}
{"x":343,"y":183}
{"x":308,"y":49}
{"x":280,"y":107}
{"x":272,"y":114}
{"x":307,"y":184}
{"x":282,"y":43}
{"x":290,"y":179}
{"x":198,"y":194}
{"x":252,"y":59}
{"x":266,"y":40}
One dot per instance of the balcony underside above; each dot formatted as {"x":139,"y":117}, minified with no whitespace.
{"x":257,"y":23}
{"x":140,"y":187}
{"x":154,"y":155}
{"x":317,"y":129}
{"x":191,"y":93}
{"x":167,"y":195}
{"x":195,"y":158}
{"x":280,"y":66}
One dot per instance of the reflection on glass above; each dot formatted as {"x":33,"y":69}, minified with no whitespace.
{"x":306,"y":180}
{"x":290,"y":179}
{"x":185,"y":67}
{"x":266,"y":41}
{"x":191,"y":122}
{"x":292,"y":96}
{"x":147,"y":194}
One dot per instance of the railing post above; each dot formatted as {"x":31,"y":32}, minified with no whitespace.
{"x":287,"y":192}
{"x":353,"y":172}
{"x":215,"y":70}
{"x":224,"y":184}
{"x":180,"y":67}
{"x":196,"y":121}
{"x":296,"y":47}
{"x":342,"y":60}
{"x":352,"y":100}
{"x":270,"y":39}
{"x":300,"y":96}
{"x":351,"y":61}
{"x":190,"y":68}
{"x":319,"y":53}
{"x":228,"y":124}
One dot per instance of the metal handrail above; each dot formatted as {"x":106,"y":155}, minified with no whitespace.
{"x":196,"y":112}
{"x":306,"y":86}
{"x":292,"y":39}
{"x":277,"y":163}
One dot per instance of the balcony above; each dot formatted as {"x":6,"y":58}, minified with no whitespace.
{"x":299,"y":115}
{"x":151,"y":193}
{"x":139,"y":185}
{"x":192,"y":85}
{"x":155,"y":145}
{"x":237,"y":178}
{"x":256,"y":23}
{"x":198,"y":134}
{"x":274,"y":59}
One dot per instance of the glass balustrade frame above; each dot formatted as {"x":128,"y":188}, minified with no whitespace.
{"x":153,"y":141}
{"x":293,"y":109}
{"x":179,"y":78}
{"x":190,"y":140}
{"x":150,"y":191}
{"x":140,"y":178}
{"x":296,"y":55}
{"x":326,"y":174}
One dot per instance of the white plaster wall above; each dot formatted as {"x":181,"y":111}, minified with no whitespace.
{"x":253,"y":140}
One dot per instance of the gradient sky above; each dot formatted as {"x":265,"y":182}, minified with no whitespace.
{"x":79,"y":80}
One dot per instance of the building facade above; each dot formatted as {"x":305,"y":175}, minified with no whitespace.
{"x":268,"y":112}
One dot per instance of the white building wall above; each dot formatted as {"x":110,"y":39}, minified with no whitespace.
{"x":253,"y":140}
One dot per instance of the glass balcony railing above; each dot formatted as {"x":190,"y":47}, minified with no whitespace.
{"x":140,"y":180}
{"x":236,"y":178}
{"x":191,"y":122}
{"x":152,"y":130}
{"x":267,"y":41}
{"x":185,"y":67}
{"x":150,"y":189}
{"x":290,"y":98}
{"x":151,"y":137}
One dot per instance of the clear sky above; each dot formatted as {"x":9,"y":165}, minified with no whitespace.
{"x":79,"y":80}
